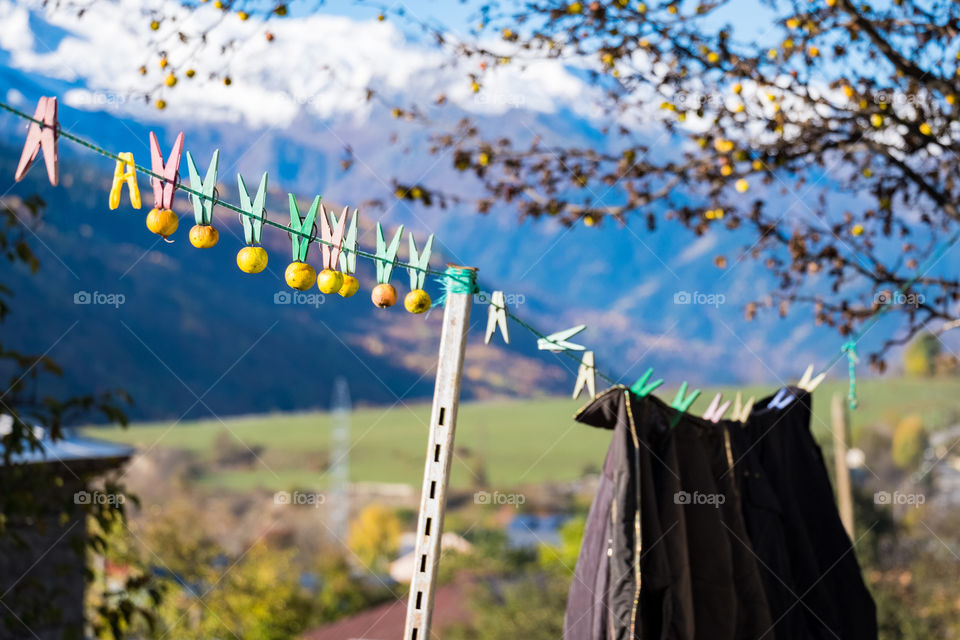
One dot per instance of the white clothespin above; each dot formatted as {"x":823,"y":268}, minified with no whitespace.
{"x":497,"y":317}
{"x":586,"y":376}
{"x":558,"y":341}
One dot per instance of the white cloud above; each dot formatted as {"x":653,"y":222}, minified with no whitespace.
{"x":272,"y":82}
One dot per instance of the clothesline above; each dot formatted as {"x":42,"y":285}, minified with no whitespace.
{"x":848,"y":349}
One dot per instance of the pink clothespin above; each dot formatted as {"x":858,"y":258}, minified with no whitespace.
{"x":334,"y":235}
{"x":163,"y":190}
{"x":41,"y":136}
{"x":716,"y":410}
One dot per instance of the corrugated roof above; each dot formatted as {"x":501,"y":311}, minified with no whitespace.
{"x":71,"y":447}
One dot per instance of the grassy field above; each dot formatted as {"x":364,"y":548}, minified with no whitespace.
{"x":518,"y":442}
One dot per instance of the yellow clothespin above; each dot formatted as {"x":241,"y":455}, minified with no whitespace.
{"x":808,"y":384}
{"x":124,"y":173}
{"x":742,"y":411}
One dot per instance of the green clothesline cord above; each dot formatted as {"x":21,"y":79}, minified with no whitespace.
{"x":456,"y":279}
{"x":461,"y":280}
{"x":215,"y":200}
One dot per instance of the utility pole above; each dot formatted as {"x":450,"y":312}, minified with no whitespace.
{"x":460,"y":286}
{"x":339,"y":507}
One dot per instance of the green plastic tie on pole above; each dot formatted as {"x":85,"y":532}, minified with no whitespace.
{"x":457,"y":280}
{"x":850,"y":348}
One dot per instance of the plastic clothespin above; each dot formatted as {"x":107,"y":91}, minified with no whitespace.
{"x":387,"y":255}
{"x":809,"y":385}
{"x":348,"y":249}
{"x":716,"y":410}
{"x":586,"y":376}
{"x":300,"y":244}
{"x":332,"y":234}
{"x":164,"y":189}
{"x":682,"y":402}
{"x":253,"y":223}
{"x":641,"y":388}
{"x":419,"y":262}
{"x":742,"y":411}
{"x":558,"y":341}
{"x":497,"y":317}
{"x":203,"y":207}
{"x":41,"y":136}
{"x":781,"y":400}
{"x":125,"y":174}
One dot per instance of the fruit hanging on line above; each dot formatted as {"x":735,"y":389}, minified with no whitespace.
{"x":162,"y":222}
{"x":350,"y":286}
{"x":384,"y":295}
{"x":203,"y":236}
{"x":341,"y":249}
{"x":330,"y":281}
{"x":300,"y":275}
{"x":252,"y":259}
{"x":417,"y":301}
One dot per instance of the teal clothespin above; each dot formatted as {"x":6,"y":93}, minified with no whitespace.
{"x":641,"y":388}
{"x":203,"y":207}
{"x":682,"y":402}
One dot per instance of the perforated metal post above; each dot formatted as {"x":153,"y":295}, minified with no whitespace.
{"x":436,"y":474}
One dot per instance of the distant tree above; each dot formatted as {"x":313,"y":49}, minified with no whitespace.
{"x":564,"y":557}
{"x":920,"y":356}
{"x":374,"y":536}
{"x":909,"y":442}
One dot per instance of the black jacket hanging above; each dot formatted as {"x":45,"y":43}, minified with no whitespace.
{"x":812,"y":577}
{"x":690,"y":573}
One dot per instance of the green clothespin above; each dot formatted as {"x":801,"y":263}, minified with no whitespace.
{"x":253,"y":223}
{"x":641,"y":388}
{"x":387,"y":256}
{"x":299,"y":243}
{"x":682,"y":402}
{"x":418,"y":262}
{"x":203,"y":207}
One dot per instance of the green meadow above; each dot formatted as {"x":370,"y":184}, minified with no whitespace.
{"x":511,"y":443}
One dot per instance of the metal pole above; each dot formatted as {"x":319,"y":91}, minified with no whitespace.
{"x":838,"y":411}
{"x":436,"y":473}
